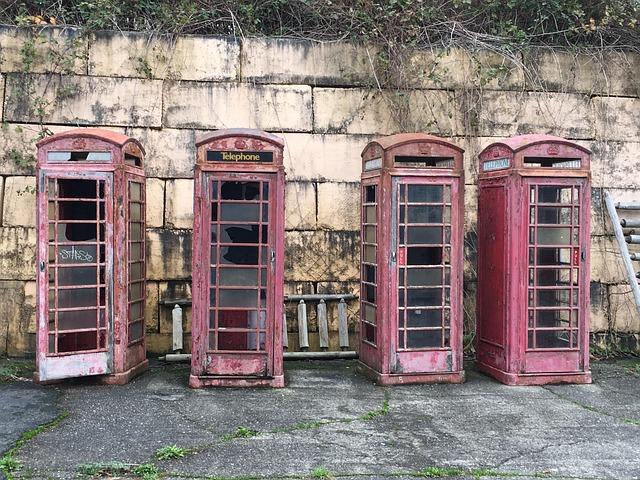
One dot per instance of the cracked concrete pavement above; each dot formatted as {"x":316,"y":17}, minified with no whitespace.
{"x":578,"y":431}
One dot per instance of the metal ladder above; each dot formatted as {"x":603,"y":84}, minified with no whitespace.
{"x":622,"y":239}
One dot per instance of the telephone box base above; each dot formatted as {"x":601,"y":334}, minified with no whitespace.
{"x":235,"y":382}
{"x":111,"y":379}
{"x":533,"y":378}
{"x":387,"y":379}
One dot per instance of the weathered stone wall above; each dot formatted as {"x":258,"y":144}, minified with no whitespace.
{"x":322,"y":98}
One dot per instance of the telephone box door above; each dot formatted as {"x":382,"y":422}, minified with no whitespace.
{"x":75,"y":213}
{"x":238,"y":215}
{"x":556,"y":277}
{"x":422,"y":238}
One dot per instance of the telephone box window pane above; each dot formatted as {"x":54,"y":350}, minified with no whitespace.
{"x":135,"y":291}
{"x":553,"y":298}
{"x":135,"y":331}
{"x":370,"y":234}
{"x":75,"y":188}
{"x":76,"y":276}
{"x":240,"y":191}
{"x":238,"y":340}
{"x":77,"y":297}
{"x":237,"y":298}
{"x":552,"y":318}
{"x":239,"y":234}
{"x":554,"y":256}
{"x":77,"y":342}
{"x":135,"y":212}
{"x":552,"y":339}
{"x":212,"y":297}
{"x":135,"y":271}
{"x":424,"y":297}
{"x":554,"y":215}
{"x":369,"y":274}
{"x":369,"y":293}
{"x":239,"y":255}
{"x":370,"y":194}
{"x":240,"y":212}
{"x":369,"y":333}
{"x":424,"y":255}
{"x":424,"y":338}
{"x":135,"y":191}
{"x":77,"y":232}
{"x":239,"y":277}
{"x":135,"y":252}
{"x":424,"y":318}
{"x":422,"y":235}
{"x":135,"y":231}
{"x":424,"y":276}
{"x":554,"y":236}
{"x":425,"y":214}
{"x":370,"y":313}
{"x":135,"y":310}
{"x":554,"y":194}
{"x":370,"y":215}
{"x":247,"y":319}
{"x":425,"y":193}
{"x":77,"y":320}
{"x":265,"y":191}
{"x":369,"y":254}
{"x":554,"y":277}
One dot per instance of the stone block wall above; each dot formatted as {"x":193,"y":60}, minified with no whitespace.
{"x":322,"y":98}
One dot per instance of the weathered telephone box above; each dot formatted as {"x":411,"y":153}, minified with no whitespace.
{"x":533,"y":261}
{"x":238,"y":260}
{"x":91,"y":256}
{"x":411,"y":260}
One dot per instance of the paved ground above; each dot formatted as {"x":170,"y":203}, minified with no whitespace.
{"x":331,"y":421}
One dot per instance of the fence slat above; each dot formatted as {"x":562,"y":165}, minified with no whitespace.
{"x":303,"y":333}
{"x":285,"y":335}
{"x":323,"y":326}
{"x":343,"y":327}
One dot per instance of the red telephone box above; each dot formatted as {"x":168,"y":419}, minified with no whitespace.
{"x":238,"y":260}
{"x":91,"y":256}
{"x":533,"y":261}
{"x":411,"y":260}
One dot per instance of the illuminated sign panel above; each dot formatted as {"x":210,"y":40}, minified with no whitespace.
{"x":252,"y":157}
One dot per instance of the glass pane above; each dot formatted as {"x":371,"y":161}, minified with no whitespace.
{"x":249,"y":319}
{"x":77,"y":297}
{"x":237,"y":298}
{"x":554,"y":194}
{"x":135,"y":252}
{"x":239,"y":277}
{"x":424,"y":318}
{"x":135,"y":212}
{"x":424,"y":276}
{"x":552,"y":339}
{"x":552,"y":318}
{"x":424,"y":255}
{"x":425,"y":214}
{"x":554,"y":277}
{"x":424,"y":338}
{"x":369,"y":254}
{"x":370,"y":234}
{"x":135,"y":271}
{"x":265,"y":191}
{"x":77,"y":276}
{"x":239,"y":255}
{"x":77,"y":232}
{"x":370,"y":215}
{"x":136,"y":231}
{"x":135,"y":291}
{"x":369,"y":313}
{"x":554,"y":215}
{"x":240,"y":191}
{"x":369,"y":333}
{"x":554,"y":256}
{"x":424,"y":297}
{"x":135,"y":311}
{"x":369,"y":272}
{"x":240,"y":212}
{"x":370,"y":194}
{"x":553,"y":298}
{"x":135,"y":192}
{"x":76,"y":320}
{"x":75,"y":342}
{"x":425,"y":193}
{"x":76,"y":210}
{"x":135,"y":331}
{"x":237,"y":340}
{"x":369,"y":292}
{"x":239,"y":234}
{"x":418,"y":235}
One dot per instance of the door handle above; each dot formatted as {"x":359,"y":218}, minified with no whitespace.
{"x":393,"y":257}
{"x":42,"y":266}
{"x":273,"y":256}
